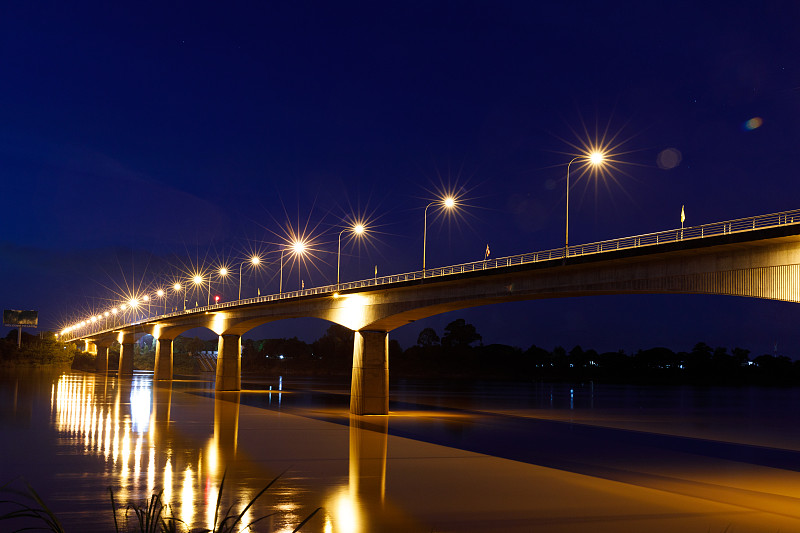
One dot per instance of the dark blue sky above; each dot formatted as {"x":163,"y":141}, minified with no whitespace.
{"x":138,"y":139}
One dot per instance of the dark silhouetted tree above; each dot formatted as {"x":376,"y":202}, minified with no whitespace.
{"x":428,"y":337}
{"x":459,"y":334}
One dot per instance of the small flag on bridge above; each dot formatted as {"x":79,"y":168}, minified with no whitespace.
{"x":683,"y":216}
{"x":487,"y":251}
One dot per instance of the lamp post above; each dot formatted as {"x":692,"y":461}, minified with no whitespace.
{"x":449,"y":203}
{"x":595,"y":159}
{"x":255,"y":261}
{"x":197,"y":280}
{"x":177,"y":287}
{"x":298,"y":248}
{"x":160,"y":293}
{"x":222,"y":273}
{"x":133,"y":304}
{"x":357,"y":229}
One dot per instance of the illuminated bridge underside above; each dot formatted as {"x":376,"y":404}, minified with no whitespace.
{"x":758,"y":264}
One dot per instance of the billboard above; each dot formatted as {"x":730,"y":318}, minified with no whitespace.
{"x":15,"y":318}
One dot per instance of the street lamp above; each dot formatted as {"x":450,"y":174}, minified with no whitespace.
{"x":298,"y":247}
{"x":222,"y":273}
{"x":255,"y":261}
{"x":448,"y":202}
{"x":197,"y":280}
{"x":357,"y":229}
{"x":160,"y":293}
{"x":595,"y":159}
{"x":177,"y":288}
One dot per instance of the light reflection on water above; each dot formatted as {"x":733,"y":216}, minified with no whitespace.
{"x":127,"y":424}
{"x":384,"y":473}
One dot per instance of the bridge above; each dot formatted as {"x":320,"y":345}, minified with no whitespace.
{"x":756,"y":257}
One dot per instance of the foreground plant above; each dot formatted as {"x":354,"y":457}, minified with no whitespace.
{"x":150,"y":516}
{"x":24,"y":511}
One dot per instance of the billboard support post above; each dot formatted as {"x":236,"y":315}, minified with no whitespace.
{"x":20,"y":319}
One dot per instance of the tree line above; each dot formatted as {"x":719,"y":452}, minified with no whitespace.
{"x":458,"y":353}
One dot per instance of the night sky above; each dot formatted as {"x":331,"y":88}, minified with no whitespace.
{"x":138,"y":141}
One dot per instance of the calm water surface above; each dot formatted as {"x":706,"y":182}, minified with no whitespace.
{"x":451,"y":456}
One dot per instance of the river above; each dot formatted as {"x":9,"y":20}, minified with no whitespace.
{"x":450,"y":456}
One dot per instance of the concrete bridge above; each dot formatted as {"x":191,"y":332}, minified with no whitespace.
{"x":757,"y":257}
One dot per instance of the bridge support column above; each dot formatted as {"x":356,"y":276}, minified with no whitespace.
{"x":126,"y":346}
{"x":229,"y":363}
{"x":369,"y":389}
{"x":101,"y":363}
{"x":163,"y":367}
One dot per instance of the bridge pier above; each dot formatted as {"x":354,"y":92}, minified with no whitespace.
{"x":126,"y":346}
{"x":229,"y":363}
{"x":163,"y":367}
{"x":369,"y":388}
{"x":101,"y":362}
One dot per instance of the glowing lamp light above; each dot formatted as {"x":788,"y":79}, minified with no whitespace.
{"x":596,"y":158}
{"x":255,"y":260}
{"x":223,"y":271}
{"x":160,"y":293}
{"x":335,"y":295}
{"x":123,"y":307}
{"x":216,"y":299}
{"x":106,"y":314}
{"x":299,"y":247}
{"x":134,"y":302}
{"x":114,"y":311}
{"x":146,"y":298}
{"x":449,"y":202}
{"x":93,"y":319}
{"x":177,"y":287}
{"x":359,"y":229}
{"x":197,"y":280}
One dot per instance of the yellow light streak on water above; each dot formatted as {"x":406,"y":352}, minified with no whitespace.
{"x":107,"y":446}
{"x":137,"y":458}
{"x":210,"y":493}
{"x":187,"y":496}
{"x":125,"y":451}
{"x":151,"y":471}
{"x":168,"y":480}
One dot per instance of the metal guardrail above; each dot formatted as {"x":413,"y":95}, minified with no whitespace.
{"x":649,"y":239}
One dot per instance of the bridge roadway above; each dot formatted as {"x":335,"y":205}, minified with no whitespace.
{"x":756,"y":257}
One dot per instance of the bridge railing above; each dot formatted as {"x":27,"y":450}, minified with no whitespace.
{"x":649,"y":239}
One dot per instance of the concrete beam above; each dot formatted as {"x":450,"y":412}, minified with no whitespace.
{"x":229,"y":363}
{"x":369,"y":388}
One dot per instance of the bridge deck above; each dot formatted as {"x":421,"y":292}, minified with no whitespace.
{"x":743,"y":230}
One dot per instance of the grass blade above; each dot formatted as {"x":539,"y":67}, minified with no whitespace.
{"x":306,"y":520}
